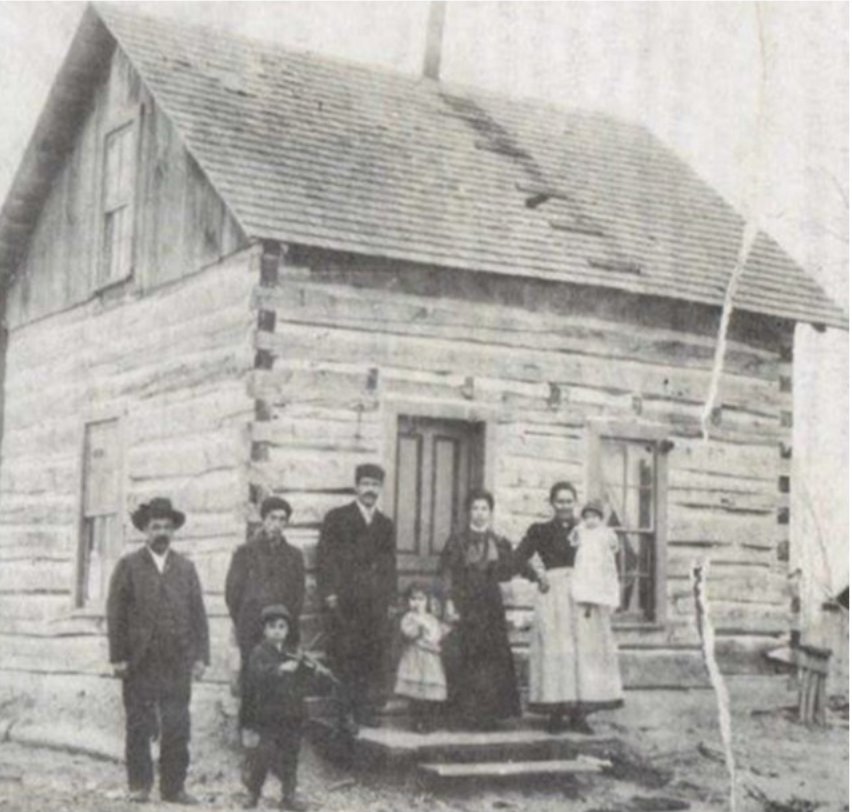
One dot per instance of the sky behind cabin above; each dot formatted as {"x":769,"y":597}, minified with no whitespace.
{"x":754,"y":96}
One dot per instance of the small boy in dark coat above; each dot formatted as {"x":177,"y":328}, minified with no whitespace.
{"x":279,"y":675}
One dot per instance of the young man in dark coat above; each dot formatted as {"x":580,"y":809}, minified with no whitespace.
{"x":158,"y":641}
{"x":356,"y":578}
{"x":264,"y":571}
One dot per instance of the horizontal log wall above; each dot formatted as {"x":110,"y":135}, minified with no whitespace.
{"x":347,"y":345}
{"x":173,"y":366}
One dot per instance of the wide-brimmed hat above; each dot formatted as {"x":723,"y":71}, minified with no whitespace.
{"x":274,"y":612}
{"x":158,"y":508}
{"x":593,"y":506}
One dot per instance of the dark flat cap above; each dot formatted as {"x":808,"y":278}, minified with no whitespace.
{"x":369,"y":470}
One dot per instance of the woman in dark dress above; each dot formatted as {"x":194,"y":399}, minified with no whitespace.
{"x":481,"y":680}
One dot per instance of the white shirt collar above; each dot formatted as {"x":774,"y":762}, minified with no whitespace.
{"x":366,"y":512}
{"x":159,"y":560}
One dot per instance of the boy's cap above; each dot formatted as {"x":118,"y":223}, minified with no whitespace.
{"x":593,"y":506}
{"x":274,"y":612}
{"x":275,"y":503}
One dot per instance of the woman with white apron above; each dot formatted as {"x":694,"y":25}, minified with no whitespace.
{"x":573,"y":656}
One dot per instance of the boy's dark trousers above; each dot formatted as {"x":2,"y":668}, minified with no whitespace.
{"x":278,"y":753}
{"x":156,"y":698}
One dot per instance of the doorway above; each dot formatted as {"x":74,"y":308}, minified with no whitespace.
{"x":437,"y":462}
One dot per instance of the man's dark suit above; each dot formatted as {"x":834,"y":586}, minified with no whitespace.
{"x":356,"y":562}
{"x":157,"y":624}
{"x":262,"y":572}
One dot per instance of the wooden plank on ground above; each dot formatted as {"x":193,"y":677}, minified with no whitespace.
{"x":499,"y":769}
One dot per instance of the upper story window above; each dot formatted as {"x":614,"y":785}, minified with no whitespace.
{"x":119,"y":189}
{"x":628,"y":470}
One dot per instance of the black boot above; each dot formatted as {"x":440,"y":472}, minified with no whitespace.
{"x":556,"y":723}
{"x":580,"y":725}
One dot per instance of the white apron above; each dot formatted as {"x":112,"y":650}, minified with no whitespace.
{"x":573,"y":658}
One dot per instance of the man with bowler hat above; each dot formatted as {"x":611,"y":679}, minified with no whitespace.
{"x":356,"y":579}
{"x":264,"y":571}
{"x":158,"y":641}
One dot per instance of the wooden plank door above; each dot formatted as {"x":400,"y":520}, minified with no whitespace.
{"x":437,"y":463}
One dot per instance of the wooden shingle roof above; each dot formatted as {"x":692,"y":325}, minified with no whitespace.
{"x":317,"y":152}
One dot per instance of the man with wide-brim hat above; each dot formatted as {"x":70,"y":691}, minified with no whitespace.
{"x":158,"y":641}
{"x":267,"y":570}
{"x":356,"y":579}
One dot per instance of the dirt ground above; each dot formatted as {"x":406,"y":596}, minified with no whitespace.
{"x":674,"y":736}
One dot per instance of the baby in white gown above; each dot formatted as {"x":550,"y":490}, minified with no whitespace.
{"x":595,"y":577}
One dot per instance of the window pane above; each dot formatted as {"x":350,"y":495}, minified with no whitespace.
{"x":613,"y":463}
{"x":636,"y":573}
{"x":110,"y":245}
{"x":96,"y":544}
{"x":627,"y":473}
{"x":102,"y":469}
{"x":112,"y":160}
{"x":118,"y":244}
{"x":628,"y":477}
{"x":119,"y":165}
{"x":640,"y":464}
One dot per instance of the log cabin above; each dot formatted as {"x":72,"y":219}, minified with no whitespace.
{"x":230,"y":270}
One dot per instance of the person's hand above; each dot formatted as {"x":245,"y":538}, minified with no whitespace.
{"x":198,"y":669}
{"x":120,"y":669}
{"x":451,"y":614}
{"x":250,"y":738}
{"x":331,"y":602}
{"x":543,"y":584}
{"x":288,"y":667}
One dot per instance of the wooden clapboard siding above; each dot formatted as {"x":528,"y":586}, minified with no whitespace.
{"x":347,"y":342}
{"x":172,"y":366}
{"x":180,"y":223}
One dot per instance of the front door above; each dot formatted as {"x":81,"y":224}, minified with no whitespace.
{"x":437,"y":463}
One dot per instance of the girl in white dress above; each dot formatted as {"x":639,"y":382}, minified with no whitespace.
{"x":420,"y":676}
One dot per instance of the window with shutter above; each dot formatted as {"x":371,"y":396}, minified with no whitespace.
{"x":100,"y":530}
{"x":119,"y":189}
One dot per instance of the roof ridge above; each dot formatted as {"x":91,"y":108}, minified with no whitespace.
{"x":112,"y":7}
{"x":314,"y":149}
